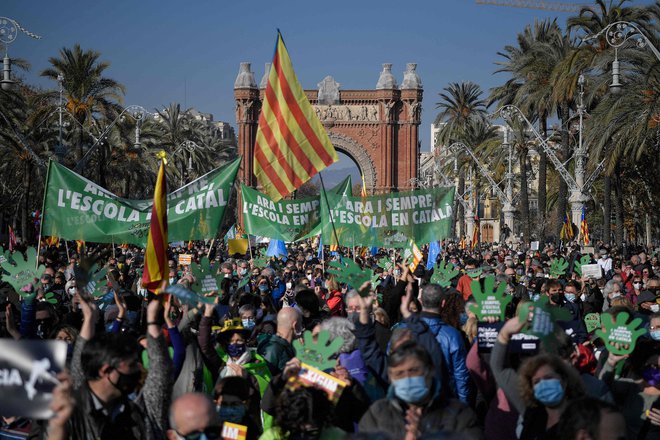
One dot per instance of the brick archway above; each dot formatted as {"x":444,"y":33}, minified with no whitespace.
{"x":359,"y":155}
{"x":378,"y":129}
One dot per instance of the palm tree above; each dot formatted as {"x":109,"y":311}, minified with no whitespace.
{"x":89,"y":94}
{"x":460,"y":104}
{"x":591,"y":21}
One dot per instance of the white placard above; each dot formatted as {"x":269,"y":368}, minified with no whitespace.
{"x":592,"y":271}
{"x":534,"y":245}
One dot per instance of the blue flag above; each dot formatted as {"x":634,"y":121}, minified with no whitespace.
{"x":276,"y":248}
{"x":434,"y":251}
{"x":319,"y":255}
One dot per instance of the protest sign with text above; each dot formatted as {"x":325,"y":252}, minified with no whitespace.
{"x":387,"y":220}
{"x":76,"y":208}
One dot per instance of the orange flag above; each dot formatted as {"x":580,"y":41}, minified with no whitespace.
{"x":291,"y":145}
{"x":155,"y":261}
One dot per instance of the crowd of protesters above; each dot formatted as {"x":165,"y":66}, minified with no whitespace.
{"x":145,"y":366}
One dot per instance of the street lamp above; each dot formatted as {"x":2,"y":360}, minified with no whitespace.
{"x":190,"y":147}
{"x":616,"y":35}
{"x":8,"y":32}
{"x":137,"y":112}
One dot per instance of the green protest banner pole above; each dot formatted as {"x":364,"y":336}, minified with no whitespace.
{"x":43,"y":213}
{"x":332,"y":222}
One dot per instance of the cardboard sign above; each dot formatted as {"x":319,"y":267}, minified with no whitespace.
{"x":519,"y":343}
{"x":490,"y":302}
{"x":185,"y":259}
{"x":28,"y":371}
{"x":592,"y":321}
{"x":331,"y":385}
{"x":619,"y":336}
{"x":233,"y":431}
{"x":592,"y":271}
{"x":237,"y":246}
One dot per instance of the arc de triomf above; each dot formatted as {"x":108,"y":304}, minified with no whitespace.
{"x":378,"y":129}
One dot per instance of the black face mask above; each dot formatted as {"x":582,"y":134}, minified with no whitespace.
{"x":126,"y":383}
{"x":557,"y":298}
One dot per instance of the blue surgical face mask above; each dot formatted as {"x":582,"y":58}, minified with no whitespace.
{"x":462,"y":319}
{"x":232,"y":414}
{"x":263,"y":287}
{"x":570,"y":297}
{"x":655,"y":335}
{"x":248,"y":324}
{"x":536,"y":296}
{"x":411,"y":389}
{"x":549,"y":392}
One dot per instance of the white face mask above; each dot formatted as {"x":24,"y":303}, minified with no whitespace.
{"x":289,"y":285}
{"x":655,"y":308}
{"x":616,"y":295}
{"x":637,"y":286}
{"x":309,"y":277}
{"x":583,"y":297}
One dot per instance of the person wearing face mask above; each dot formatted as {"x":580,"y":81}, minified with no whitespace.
{"x":277,"y":349}
{"x":192,"y":416}
{"x":542,"y":388}
{"x":232,"y":397}
{"x":106,"y":372}
{"x":415,"y":406}
{"x":647,"y":304}
{"x":639,"y":395}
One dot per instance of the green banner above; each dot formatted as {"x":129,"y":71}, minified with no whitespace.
{"x":388,"y":220}
{"x":287,"y":220}
{"x":76,"y":208}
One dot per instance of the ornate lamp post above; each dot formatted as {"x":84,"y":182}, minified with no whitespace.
{"x":617,"y":34}
{"x":8,"y":32}
{"x":190,"y":147}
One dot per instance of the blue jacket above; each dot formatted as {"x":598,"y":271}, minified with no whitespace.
{"x":454,"y":354}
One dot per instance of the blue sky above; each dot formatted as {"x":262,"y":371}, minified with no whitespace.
{"x":189,"y":52}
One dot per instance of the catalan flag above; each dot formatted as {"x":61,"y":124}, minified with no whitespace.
{"x":155,"y":262}
{"x":291,"y":145}
{"x":363,"y":191}
{"x":584,"y":228}
{"x":80,"y":246}
{"x":566,"y":233}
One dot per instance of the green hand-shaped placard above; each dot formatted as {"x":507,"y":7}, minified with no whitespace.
{"x":318,"y":354}
{"x":558,"y":267}
{"x":187,"y":296}
{"x":543,"y":322}
{"x":95,"y":282}
{"x":243,"y":282}
{"x":475,"y":273}
{"x":578,"y":264}
{"x":620,"y":338}
{"x":50,"y":298}
{"x":23,"y":271}
{"x":443,"y":274}
{"x":206,"y":280}
{"x":592,"y":321}
{"x":348,"y":272}
{"x":385,"y":263}
{"x":261,"y":260}
{"x":490,"y":302}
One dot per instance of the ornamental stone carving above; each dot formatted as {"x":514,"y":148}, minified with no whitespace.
{"x":348,"y":113}
{"x":358,"y":153}
{"x":328,"y":91}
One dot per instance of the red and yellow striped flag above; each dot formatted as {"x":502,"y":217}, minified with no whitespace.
{"x":155,"y":261}
{"x":292,"y":145}
{"x":80,"y":245}
{"x":584,"y":228}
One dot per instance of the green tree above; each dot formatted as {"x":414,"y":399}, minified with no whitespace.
{"x":460,"y":103}
{"x":88,"y":93}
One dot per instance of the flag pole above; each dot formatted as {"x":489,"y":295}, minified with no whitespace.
{"x":43,"y":216}
{"x":66,"y":246}
{"x":327,"y":204}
